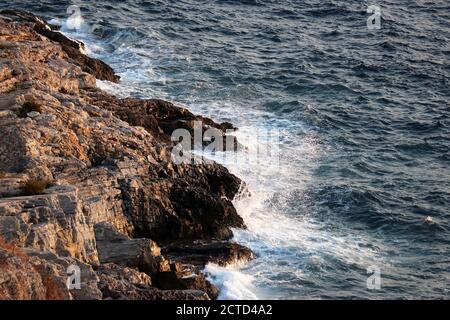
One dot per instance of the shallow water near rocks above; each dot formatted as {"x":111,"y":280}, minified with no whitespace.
{"x":363,"y":175}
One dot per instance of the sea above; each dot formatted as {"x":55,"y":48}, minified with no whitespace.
{"x":349,"y":101}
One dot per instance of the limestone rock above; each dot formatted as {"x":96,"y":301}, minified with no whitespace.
{"x":200,"y":253}
{"x":113,"y":187}
{"x":72,"y":48}
{"x":32,"y":275}
{"x":120,"y":283}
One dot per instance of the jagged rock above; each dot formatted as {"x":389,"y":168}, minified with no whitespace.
{"x":109,"y":161}
{"x":114,"y":247}
{"x":55,"y":269}
{"x":161,"y":118}
{"x":19,"y":280}
{"x":120,"y":283}
{"x":145,"y":255}
{"x":171,"y":280}
{"x":53,"y":222}
{"x":199,"y":253}
{"x":185,"y":208}
{"x":72,"y":48}
{"x":28,"y":274}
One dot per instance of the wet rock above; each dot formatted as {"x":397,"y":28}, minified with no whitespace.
{"x":200,"y":253}
{"x":117,"y":248}
{"x":176,"y":209}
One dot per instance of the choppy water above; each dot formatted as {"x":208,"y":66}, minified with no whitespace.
{"x":363,"y":117}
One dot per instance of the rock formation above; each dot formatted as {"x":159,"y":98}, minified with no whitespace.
{"x":87,"y":179}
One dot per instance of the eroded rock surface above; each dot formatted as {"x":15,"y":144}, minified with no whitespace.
{"x":113,"y":195}
{"x":199,"y":253}
{"x":37,"y":275}
{"x":72,"y":48}
{"x":120,"y":283}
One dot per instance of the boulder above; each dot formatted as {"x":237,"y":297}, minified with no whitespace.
{"x":35,"y":275}
{"x":72,"y":48}
{"x":114,"y":247}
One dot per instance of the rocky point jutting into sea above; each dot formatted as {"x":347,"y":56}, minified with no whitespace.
{"x":87,"y":180}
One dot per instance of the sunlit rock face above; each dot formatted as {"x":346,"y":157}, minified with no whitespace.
{"x":87,"y":179}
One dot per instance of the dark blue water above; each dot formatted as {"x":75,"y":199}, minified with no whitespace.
{"x":363,"y":115}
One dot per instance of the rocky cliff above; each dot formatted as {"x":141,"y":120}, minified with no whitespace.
{"x":87,"y":180}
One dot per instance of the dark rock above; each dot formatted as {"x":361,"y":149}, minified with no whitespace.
{"x":162,"y":117}
{"x":121,"y":283}
{"x":145,"y":255}
{"x":93,"y":66}
{"x":200,"y":253}
{"x":183,"y":208}
{"x":114,"y":247}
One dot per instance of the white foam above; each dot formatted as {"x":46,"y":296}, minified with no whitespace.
{"x":233,"y":284}
{"x":55,"y":22}
{"x":286,"y":242}
{"x":297,"y":241}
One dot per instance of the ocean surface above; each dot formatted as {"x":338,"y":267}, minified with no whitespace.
{"x":362,"y":179}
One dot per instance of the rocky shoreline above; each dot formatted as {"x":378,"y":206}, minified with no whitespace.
{"x":87,"y":180}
